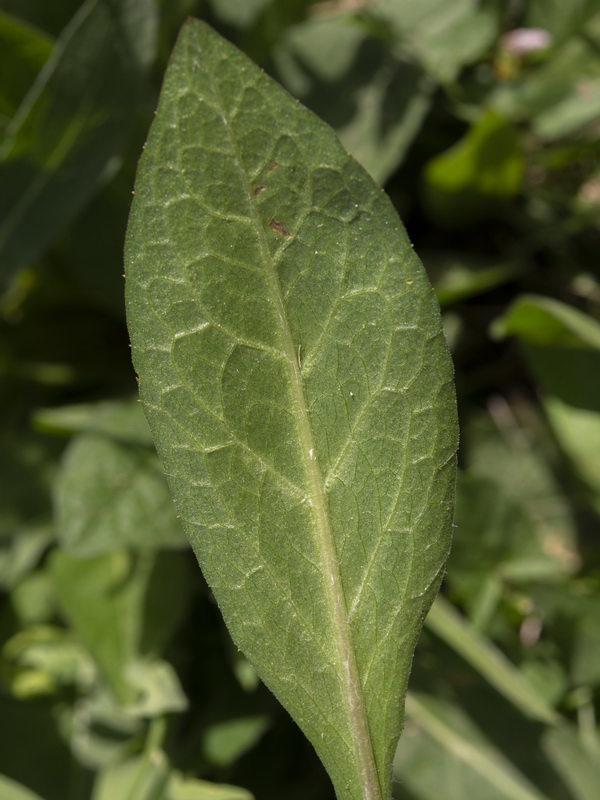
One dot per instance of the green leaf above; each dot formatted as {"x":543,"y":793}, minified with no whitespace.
{"x":512,"y":543}
{"x":545,"y":321}
{"x":577,"y":761}
{"x":525,"y":478}
{"x":44,"y":658}
{"x":241,"y":13}
{"x":457,"y":276}
{"x":445,"y":621}
{"x":455,"y":732}
{"x":122,"y":421}
{"x":111,"y":491}
{"x":443,"y":36}
{"x":297,"y":382}
{"x":477,"y":176}
{"x":225,"y":741}
{"x":143,"y":778}
{"x":362,"y":86}
{"x":562,"y":347}
{"x":33,"y":599}
{"x":184,"y":789}
{"x":103,"y":599}
{"x":21,"y":554}
{"x":70,"y":128}
{"x":10,"y":790}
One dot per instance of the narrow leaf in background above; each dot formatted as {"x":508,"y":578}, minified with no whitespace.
{"x":298,"y":385}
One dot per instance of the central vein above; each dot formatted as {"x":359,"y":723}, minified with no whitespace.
{"x":353,"y":695}
{"x":331,"y":574}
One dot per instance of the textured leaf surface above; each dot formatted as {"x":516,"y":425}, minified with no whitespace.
{"x":299,"y":388}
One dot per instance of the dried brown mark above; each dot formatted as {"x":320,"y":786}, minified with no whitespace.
{"x":279,"y":227}
{"x":273,"y":166}
{"x":259,"y":190}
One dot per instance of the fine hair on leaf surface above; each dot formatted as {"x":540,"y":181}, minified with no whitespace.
{"x":299,"y":389}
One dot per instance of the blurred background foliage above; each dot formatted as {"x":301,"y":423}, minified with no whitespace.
{"x":117,"y":678}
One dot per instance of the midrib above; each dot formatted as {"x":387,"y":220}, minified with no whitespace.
{"x":371,"y":789}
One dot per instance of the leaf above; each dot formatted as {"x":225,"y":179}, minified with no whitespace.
{"x":10,"y":790}
{"x":509,"y":447}
{"x":457,"y":276}
{"x":545,"y":321}
{"x":225,"y":741}
{"x":23,"y":552}
{"x":562,"y":347}
{"x":362,"y":86}
{"x":120,"y":420}
{"x":457,"y":632}
{"x":143,"y":778}
{"x":510,"y":546}
{"x":158,"y":688}
{"x":577,"y":762}
{"x":240,"y":13}
{"x":455,"y":732}
{"x":103,"y":599}
{"x":477,"y":176}
{"x":44,"y":658}
{"x":111,"y":491}
{"x":33,"y":599}
{"x":443,"y":36}
{"x":71,"y":126}
{"x":184,"y":789}
{"x":296,"y":379}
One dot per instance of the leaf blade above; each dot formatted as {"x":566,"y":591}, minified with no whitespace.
{"x":285,"y":334}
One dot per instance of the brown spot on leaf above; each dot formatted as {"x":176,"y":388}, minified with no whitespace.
{"x":259,"y":190}
{"x":273,"y":166}
{"x":279,"y":227}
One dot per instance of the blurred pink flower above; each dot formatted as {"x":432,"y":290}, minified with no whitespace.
{"x":526,"y":40}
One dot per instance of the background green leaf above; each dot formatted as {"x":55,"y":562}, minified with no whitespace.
{"x":562,"y":347}
{"x":9,"y":790}
{"x":111,"y":492}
